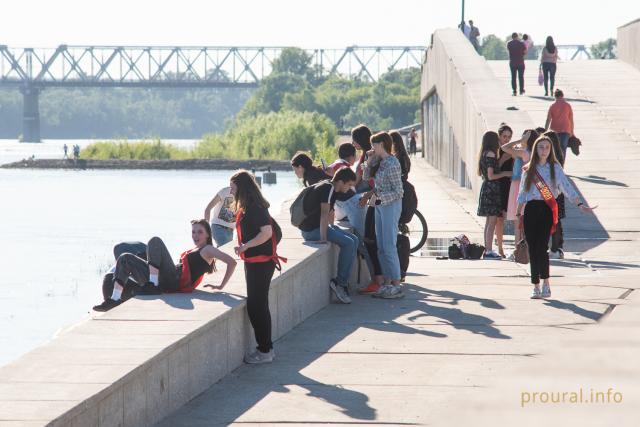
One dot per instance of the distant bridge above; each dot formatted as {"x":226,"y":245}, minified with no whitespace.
{"x":34,"y":69}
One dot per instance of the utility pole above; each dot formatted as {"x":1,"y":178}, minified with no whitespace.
{"x":462,"y":20}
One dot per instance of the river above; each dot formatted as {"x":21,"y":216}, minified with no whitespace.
{"x":58,"y":228}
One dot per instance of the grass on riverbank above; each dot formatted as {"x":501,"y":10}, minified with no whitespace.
{"x":270,"y":136}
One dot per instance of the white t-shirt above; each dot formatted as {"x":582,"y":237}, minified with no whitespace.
{"x":223,"y":213}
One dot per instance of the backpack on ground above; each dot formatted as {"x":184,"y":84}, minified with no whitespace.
{"x":475,"y":251}
{"x":297,"y":211}
{"x":409,"y":202}
{"x":455,"y":252}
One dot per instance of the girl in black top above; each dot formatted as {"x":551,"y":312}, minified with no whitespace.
{"x":254,"y":223}
{"x":303,"y":167}
{"x":506,"y":165}
{"x":400,"y":153}
{"x":157,"y":273}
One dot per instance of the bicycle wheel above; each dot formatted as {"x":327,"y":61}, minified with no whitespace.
{"x":418,"y":231}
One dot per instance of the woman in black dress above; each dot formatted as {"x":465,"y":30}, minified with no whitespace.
{"x":490,"y":202}
{"x":506,"y":164}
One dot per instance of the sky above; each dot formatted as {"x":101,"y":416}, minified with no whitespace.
{"x":307,"y":24}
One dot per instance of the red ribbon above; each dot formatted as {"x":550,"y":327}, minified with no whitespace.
{"x":260,"y":258}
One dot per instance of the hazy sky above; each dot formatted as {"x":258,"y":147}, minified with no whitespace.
{"x":327,"y":23}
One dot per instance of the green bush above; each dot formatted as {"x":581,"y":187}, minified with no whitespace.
{"x":125,"y":150}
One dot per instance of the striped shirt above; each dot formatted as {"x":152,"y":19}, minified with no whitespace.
{"x":388,"y":179}
{"x":562,"y":185}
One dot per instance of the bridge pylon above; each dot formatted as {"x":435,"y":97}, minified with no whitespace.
{"x":30,"y":114}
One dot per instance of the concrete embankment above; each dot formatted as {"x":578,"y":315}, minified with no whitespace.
{"x":219,"y":164}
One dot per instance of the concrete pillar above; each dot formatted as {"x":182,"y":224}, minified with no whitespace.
{"x":30,"y":115}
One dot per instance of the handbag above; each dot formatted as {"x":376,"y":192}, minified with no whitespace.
{"x":521,"y":253}
{"x":540,"y":76}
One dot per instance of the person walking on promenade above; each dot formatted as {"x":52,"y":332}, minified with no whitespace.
{"x":303,"y":167}
{"x":257,"y":248}
{"x":543,"y":180}
{"x":318,"y":227}
{"x":474,"y":33}
{"x":224,"y":218}
{"x":413,"y":145}
{"x":560,"y":120}
{"x":517,"y":51}
{"x":520,"y":150}
{"x":528,"y":43}
{"x":506,"y":164}
{"x":548,"y":63}
{"x":386,"y":196}
{"x":65,"y":148}
{"x":158,"y":273}
{"x":360,"y":138}
{"x":490,"y":202}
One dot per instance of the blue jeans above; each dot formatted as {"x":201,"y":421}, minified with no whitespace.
{"x":348,"y":244}
{"x":221,"y":234}
{"x":564,"y":143}
{"x":387,"y":217}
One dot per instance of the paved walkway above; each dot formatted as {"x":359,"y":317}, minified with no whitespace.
{"x":421,"y":359}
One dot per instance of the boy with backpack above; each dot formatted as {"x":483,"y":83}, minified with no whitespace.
{"x":313,"y":213}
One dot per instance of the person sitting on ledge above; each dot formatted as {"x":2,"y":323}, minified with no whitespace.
{"x":158,"y":273}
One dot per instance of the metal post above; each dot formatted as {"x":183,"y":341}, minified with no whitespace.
{"x":462,"y":20}
{"x":31,"y":114}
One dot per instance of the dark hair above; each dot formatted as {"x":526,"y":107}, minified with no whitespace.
{"x":400,"y":152}
{"x":207,"y":229}
{"x":525,"y":37}
{"x":503,"y":128}
{"x":558,"y":93}
{"x":302,"y":159}
{"x":346,"y":150}
{"x":555,"y":144}
{"x":248,"y":193}
{"x":344,"y":174}
{"x":490,"y":142}
{"x":535,"y":133}
{"x":550,"y":45}
{"x":514,"y":35}
{"x":361,"y":135}
{"x":531,"y":167}
{"x":383,"y":138}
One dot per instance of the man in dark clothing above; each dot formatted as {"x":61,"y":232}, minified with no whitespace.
{"x":517,"y":50}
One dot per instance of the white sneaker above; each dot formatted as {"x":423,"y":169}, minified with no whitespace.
{"x":381,"y":290}
{"x":259,"y":357}
{"x":546,"y":291}
{"x":393,"y":292}
{"x":555,"y":255}
{"x":340,"y":292}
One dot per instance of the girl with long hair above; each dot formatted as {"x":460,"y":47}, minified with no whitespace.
{"x":520,"y":150}
{"x":360,"y":138}
{"x":304,"y":169}
{"x":157,"y":273}
{"x":255,"y":233}
{"x":386,"y":197}
{"x":400,"y":153}
{"x":548,"y":61}
{"x":543,"y":180}
{"x":506,"y":164}
{"x":490,"y":201}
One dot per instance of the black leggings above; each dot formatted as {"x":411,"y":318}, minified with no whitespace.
{"x":131,"y":266}
{"x":370,"y":239}
{"x":537,"y":227}
{"x":549,"y":71}
{"x":258,"y":276}
{"x":519,"y":70}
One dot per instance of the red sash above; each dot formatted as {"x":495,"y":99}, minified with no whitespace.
{"x":185,"y":284}
{"x":260,"y":258}
{"x":547,"y":195}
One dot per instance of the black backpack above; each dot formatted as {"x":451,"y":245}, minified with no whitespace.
{"x":409,"y":202}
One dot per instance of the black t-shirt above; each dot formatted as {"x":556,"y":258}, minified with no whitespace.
{"x":254,"y":218}
{"x":314,"y":175}
{"x":312,"y":203}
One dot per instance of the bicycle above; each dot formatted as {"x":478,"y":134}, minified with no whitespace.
{"x":417,"y":230}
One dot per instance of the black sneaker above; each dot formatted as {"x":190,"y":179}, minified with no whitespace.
{"x":107,"y":305}
{"x":148,"y":289}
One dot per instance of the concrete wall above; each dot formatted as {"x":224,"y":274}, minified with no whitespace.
{"x":137,"y":363}
{"x":629,"y":43}
{"x":459,"y":93}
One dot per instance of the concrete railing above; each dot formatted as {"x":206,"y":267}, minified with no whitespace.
{"x":472,"y":102}
{"x":137,"y":363}
{"x":629,"y":43}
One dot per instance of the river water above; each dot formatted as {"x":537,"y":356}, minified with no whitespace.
{"x":58,"y":228}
